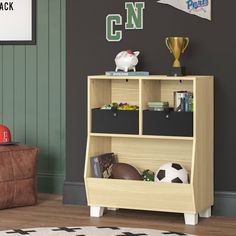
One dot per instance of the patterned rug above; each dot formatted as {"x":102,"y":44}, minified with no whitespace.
{"x":89,"y":231}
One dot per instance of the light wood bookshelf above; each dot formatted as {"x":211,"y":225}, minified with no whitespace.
{"x":151,"y":151}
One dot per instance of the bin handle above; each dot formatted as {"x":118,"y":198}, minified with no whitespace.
{"x":115,"y":112}
{"x":167,"y":113}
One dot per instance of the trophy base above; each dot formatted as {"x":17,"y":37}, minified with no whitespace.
{"x":177,"y":71}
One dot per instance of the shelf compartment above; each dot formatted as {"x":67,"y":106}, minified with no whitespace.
{"x":142,"y":153}
{"x":152,"y":153}
{"x":163,"y":90}
{"x":105,"y":91}
{"x":170,"y":124}
{"x":140,"y":195}
{"x":118,"y":122}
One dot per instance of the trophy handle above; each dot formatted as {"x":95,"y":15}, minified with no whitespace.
{"x":167,"y":45}
{"x":186,"y":45}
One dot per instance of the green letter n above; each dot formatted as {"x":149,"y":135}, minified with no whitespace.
{"x":113,"y":19}
{"x":134,"y":15}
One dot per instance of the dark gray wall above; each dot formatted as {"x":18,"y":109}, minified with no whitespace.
{"x":211,"y":51}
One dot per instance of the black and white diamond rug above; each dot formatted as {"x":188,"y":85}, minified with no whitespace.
{"x":89,"y":231}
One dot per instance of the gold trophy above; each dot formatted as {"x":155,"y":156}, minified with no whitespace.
{"x":177,"y":46}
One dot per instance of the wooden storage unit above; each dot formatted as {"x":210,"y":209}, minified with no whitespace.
{"x":143,"y":151}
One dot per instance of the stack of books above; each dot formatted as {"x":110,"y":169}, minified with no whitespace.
{"x":129,"y":73}
{"x":157,"y":106}
{"x":183,"y":101}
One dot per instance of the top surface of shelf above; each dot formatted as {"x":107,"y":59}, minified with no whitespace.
{"x":151,"y":77}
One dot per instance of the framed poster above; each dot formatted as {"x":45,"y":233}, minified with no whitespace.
{"x":17,"y":22}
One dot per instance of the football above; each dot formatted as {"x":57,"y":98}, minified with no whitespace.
{"x":172,"y":173}
{"x":125,"y":171}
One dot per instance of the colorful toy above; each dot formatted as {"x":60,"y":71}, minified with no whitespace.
{"x":148,"y":175}
{"x":172,"y":173}
{"x":119,"y":106}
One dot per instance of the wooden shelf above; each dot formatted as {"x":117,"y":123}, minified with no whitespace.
{"x":141,"y":136}
{"x":195,"y":152}
{"x":151,"y":77}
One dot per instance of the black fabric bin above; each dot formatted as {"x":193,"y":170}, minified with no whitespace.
{"x":168,"y":123}
{"x":115,"y":121}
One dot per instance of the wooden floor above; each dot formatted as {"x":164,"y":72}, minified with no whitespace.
{"x":51,"y":212}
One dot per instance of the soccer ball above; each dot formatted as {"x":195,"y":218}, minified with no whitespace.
{"x":172,"y":173}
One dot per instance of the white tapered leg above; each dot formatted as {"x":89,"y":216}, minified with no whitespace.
{"x":191,"y":219}
{"x":205,"y":213}
{"x":96,"y":211}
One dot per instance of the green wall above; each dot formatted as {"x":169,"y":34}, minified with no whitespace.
{"x":32,"y":93}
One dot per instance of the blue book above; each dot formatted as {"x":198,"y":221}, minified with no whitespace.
{"x":186,"y":102}
{"x":129,"y":73}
